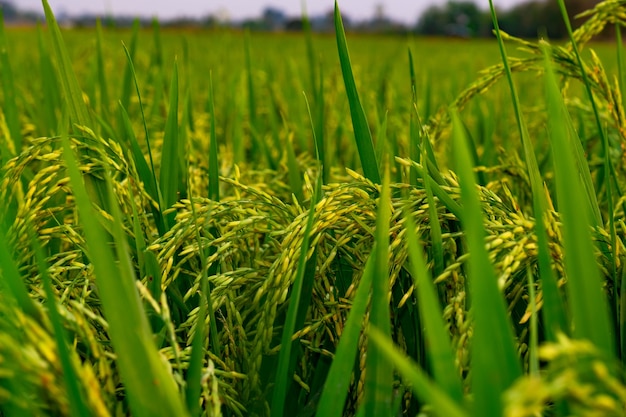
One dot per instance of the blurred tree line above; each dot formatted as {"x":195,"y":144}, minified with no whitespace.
{"x":527,"y":20}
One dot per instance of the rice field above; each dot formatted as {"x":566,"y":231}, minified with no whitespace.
{"x":223,"y":223}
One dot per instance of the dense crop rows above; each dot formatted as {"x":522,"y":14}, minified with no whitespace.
{"x":220,"y":223}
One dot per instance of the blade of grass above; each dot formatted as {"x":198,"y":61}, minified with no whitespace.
{"x":433,"y":221}
{"x":553,"y":309}
{"x":588,"y":307}
{"x":170,"y":175}
{"x":414,"y":132}
{"x":127,"y":79}
{"x":148,"y":265}
{"x":310,"y":52}
{"x":74,"y":102}
{"x":362,"y":133}
{"x":445,"y":374}
{"x":378,"y":377}
{"x":183,"y":147}
{"x":214,"y":186}
{"x":422,"y":386}
{"x":381,"y":142}
{"x":102,"y":79}
{"x":533,"y":344}
{"x":78,"y":407}
{"x":150,"y":388}
{"x":622,"y":303}
{"x":51,"y":99}
{"x":198,"y":352}
{"x":335,"y":392}
{"x":452,"y":206}
{"x":12,"y":280}
{"x":252,"y":107}
{"x":146,"y":175}
{"x":318,"y":141}
{"x":621,"y":73}
{"x":495,"y":364}
{"x":72,"y":92}
{"x":158,"y":197}
{"x":11,"y":112}
{"x":418,"y":133}
{"x":298,"y":302}
{"x":596,"y":113}
{"x":294,"y":174}
{"x":196,"y":359}
{"x":319,"y":130}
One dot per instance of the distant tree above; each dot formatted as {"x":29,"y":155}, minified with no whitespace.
{"x":9,"y":12}
{"x":274,"y":18}
{"x":534,"y":18}
{"x":295,"y":24}
{"x":456,"y":18}
{"x":379,"y":12}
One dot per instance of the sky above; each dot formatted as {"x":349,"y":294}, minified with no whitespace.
{"x":402,"y":10}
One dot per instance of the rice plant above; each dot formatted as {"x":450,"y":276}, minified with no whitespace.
{"x":178,"y":241}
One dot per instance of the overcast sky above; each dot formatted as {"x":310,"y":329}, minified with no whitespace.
{"x":403,"y":10}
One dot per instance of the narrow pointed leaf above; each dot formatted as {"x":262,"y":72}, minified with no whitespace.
{"x":362,"y":133}
{"x":554,"y":308}
{"x":335,"y":390}
{"x":439,"y":348}
{"x":426,"y":389}
{"x":378,"y":376}
{"x":495,"y":364}
{"x":588,"y":305}
{"x":170,"y":158}
{"x":284,"y":375}
{"x":150,"y":388}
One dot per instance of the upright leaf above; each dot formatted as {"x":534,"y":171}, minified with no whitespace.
{"x":554,"y":309}
{"x":421,"y":384}
{"x":362,"y":133}
{"x":378,"y":376}
{"x":103,"y":86}
{"x":588,"y":305}
{"x":495,"y":364}
{"x":337,"y":384}
{"x":11,"y":112}
{"x":150,"y":388}
{"x":73,"y":94}
{"x":169,"y":179}
{"x":439,"y":350}
{"x":298,"y":301}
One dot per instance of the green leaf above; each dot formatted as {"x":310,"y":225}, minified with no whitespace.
{"x":69,"y":84}
{"x":554,"y":309}
{"x":9,"y":104}
{"x":378,"y":376}
{"x":101,"y":69}
{"x":581,"y":160}
{"x":169,"y":179}
{"x":78,"y":407}
{"x":51,"y":99}
{"x":214,"y":186}
{"x":439,"y":350}
{"x":335,"y":390}
{"x":151,"y":185}
{"x":422,"y":386}
{"x":588,"y":305}
{"x":495,"y":364}
{"x":298,"y":303}
{"x":362,"y":133}
{"x":12,"y":280}
{"x":127,"y":79}
{"x":150,"y":388}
